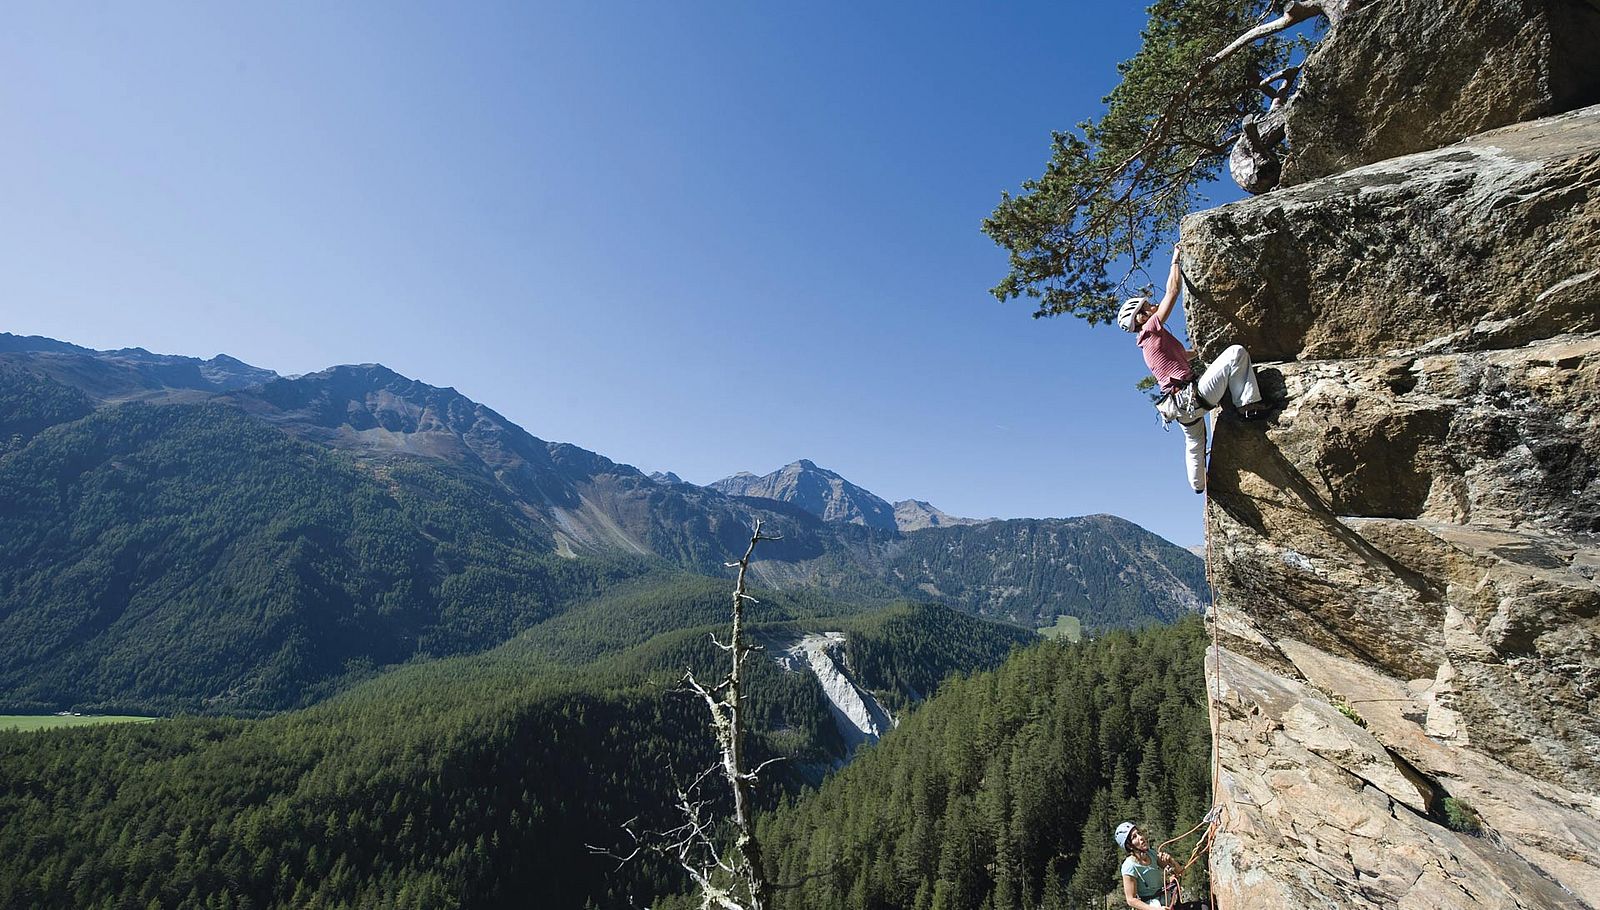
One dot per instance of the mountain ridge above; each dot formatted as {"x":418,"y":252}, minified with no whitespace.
{"x":129,"y":373}
{"x":396,"y":505}
{"x":916,"y":514}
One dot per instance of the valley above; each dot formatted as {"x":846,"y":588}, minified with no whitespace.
{"x":408,"y":654}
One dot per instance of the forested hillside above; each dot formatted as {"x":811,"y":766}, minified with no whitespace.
{"x":30,"y":403}
{"x":1105,"y":570}
{"x":474,"y":791}
{"x":467,"y":782}
{"x":904,"y":648}
{"x":186,"y":557}
{"x":1003,"y":790}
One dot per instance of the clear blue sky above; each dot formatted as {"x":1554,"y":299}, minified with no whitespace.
{"x":693,"y":236}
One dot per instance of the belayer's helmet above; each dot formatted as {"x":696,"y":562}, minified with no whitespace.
{"x":1123,"y":830}
{"x":1130,"y":309}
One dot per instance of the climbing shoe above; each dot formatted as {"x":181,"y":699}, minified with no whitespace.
{"x":1259,"y":409}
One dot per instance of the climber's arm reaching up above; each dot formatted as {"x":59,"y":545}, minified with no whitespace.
{"x":1174,"y":284}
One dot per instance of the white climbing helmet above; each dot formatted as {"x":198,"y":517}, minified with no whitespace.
{"x":1123,"y":830}
{"x":1130,"y":309}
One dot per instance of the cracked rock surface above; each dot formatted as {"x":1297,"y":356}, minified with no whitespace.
{"x":1401,"y":76}
{"x":1404,"y":558}
{"x":1487,"y":244}
{"x":1320,"y":813}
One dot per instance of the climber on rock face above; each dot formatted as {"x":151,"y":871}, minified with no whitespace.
{"x":1188,"y":399}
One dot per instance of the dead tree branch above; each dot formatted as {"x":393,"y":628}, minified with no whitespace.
{"x":736,"y":878}
{"x":727,"y":717}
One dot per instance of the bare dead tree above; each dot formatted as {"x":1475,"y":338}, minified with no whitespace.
{"x":731,"y":878}
{"x":725,"y":700}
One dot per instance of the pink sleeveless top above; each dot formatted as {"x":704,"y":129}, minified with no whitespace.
{"x":1164,"y":355}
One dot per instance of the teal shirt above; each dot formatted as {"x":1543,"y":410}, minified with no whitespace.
{"x":1147,"y":879}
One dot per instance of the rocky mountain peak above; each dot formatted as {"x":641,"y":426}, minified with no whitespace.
{"x":231,"y":374}
{"x":915,"y":514}
{"x":832,"y":498}
{"x":816,"y":490}
{"x":372,"y":408}
{"x":371,"y":399}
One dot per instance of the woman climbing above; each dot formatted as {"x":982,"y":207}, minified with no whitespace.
{"x":1142,"y":882}
{"x":1168,"y":360}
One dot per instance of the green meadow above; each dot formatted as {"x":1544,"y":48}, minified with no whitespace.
{"x":1068,"y":627}
{"x":27,"y":723}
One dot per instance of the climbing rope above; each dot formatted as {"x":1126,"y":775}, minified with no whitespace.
{"x":1171,"y":890}
{"x":1213,"y":820}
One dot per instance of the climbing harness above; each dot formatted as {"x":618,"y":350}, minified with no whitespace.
{"x":1183,"y":405}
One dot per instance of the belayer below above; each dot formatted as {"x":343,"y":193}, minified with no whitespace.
{"x":1186,"y":399}
{"x":1143,"y":885}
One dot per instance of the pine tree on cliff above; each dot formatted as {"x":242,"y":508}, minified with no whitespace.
{"x":1207,"y":86}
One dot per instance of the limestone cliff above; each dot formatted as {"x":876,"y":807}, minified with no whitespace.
{"x":1404,"y":558}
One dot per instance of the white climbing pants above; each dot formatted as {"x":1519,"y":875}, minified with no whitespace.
{"x":1195,"y":453}
{"x":1234,"y":374}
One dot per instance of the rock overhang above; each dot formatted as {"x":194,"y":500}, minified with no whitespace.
{"x":1488,"y":243}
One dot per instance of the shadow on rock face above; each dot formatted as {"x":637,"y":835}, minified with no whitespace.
{"x":1307,"y":583}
